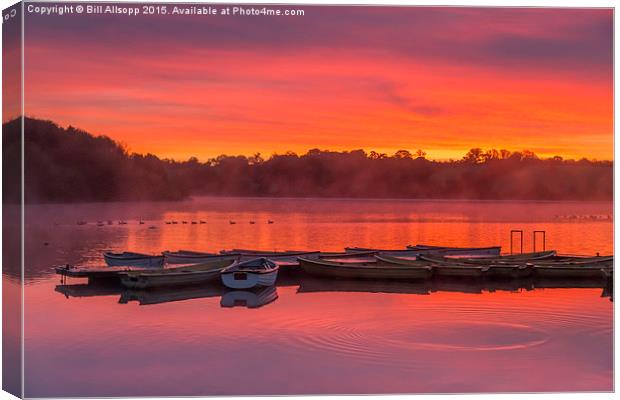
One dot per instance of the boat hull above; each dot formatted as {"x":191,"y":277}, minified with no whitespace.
{"x":521,"y":259}
{"x":146,"y":280}
{"x":509,"y":271}
{"x":459,"y":271}
{"x":133,"y":261}
{"x":195,"y":258}
{"x":445,"y":270}
{"x":570,"y":272}
{"x":248,"y":279}
{"x":414,"y":251}
{"x":363,"y":271}
{"x":479,"y":251}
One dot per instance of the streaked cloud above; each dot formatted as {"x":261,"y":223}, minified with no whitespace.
{"x":443,"y":79}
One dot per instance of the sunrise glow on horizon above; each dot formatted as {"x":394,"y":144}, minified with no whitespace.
{"x":443,"y":80}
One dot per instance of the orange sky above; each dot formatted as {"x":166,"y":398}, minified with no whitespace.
{"x":439,"y":79}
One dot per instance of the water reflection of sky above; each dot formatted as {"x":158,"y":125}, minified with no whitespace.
{"x":311,"y":339}
{"x":307,"y":224}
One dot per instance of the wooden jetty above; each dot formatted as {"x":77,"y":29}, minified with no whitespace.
{"x":92,"y":274}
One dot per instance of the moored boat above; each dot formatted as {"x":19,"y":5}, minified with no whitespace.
{"x":359,"y":256}
{"x":268,"y":253}
{"x":390,"y":252}
{"x":128,"y":258}
{"x":472,"y":271}
{"x":193,"y":257}
{"x":454,"y":270}
{"x":187,"y":275}
{"x":506,"y":259}
{"x":365,"y":270}
{"x":248,"y":274}
{"x":597,"y":261}
{"x":414,"y":251}
{"x":572,"y":271}
{"x":454,"y":251}
{"x":288,"y":257}
{"x":509,"y":271}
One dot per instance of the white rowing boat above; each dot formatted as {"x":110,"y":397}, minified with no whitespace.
{"x":249,"y":274}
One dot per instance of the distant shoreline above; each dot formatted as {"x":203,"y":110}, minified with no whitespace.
{"x":360,"y":199}
{"x":73,"y":166}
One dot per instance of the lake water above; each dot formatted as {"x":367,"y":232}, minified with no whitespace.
{"x":316,"y":336}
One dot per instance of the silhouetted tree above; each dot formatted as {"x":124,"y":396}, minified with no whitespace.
{"x":64,"y":165}
{"x":403,"y":154}
{"x":474,"y":156}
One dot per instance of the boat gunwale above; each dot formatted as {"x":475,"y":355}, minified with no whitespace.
{"x":364,"y":265}
{"x":168,"y":274}
{"x":135,"y":256}
{"x":434,"y":266}
{"x":274,"y":267}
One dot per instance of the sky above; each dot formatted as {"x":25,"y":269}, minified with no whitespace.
{"x":440,"y":79}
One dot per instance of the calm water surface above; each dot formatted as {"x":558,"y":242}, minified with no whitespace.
{"x":317,"y":336}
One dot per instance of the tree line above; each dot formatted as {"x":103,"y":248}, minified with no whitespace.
{"x":71,"y":165}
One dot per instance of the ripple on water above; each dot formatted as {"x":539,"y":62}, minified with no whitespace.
{"x":463,"y":335}
{"x":394,"y":337}
{"x":329,"y":336}
{"x":387,"y":344}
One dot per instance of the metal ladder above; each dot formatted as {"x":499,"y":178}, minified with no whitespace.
{"x":534,"y":233}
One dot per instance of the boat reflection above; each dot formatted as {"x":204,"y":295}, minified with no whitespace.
{"x":460,"y":285}
{"x":89,"y":289}
{"x":260,"y":297}
{"x":310,"y":285}
{"x":249,"y":298}
{"x":166,"y":295}
{"x":608,"y":291}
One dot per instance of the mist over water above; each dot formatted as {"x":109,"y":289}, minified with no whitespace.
{"x":315,"y":337}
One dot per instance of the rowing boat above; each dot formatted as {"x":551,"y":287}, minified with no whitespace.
{"x":248,"y":274}
{"x":414,"y":251}
{"x":454,"y":270}
{"x":571,"y":271}
{"x":506,"y":259}
{"x":192,"y":257}
{"x":388,"y":252}
{"x":359,"y":256}
{"x":508,"y":271}
{"x":364,"y":270}
{"x":453,"y":251}
{"x":454,"y":267}
{"x":288,"y":257}
{"x":128,"y":258}
{"x":187,"y":275}
{"x":259,"y":252}
{"x":598,"y":261}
